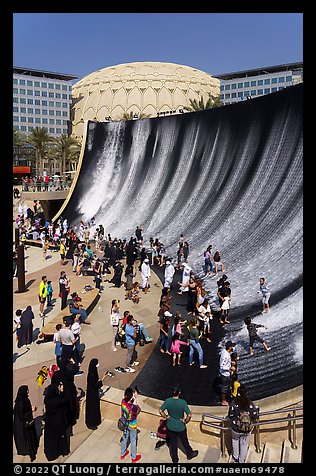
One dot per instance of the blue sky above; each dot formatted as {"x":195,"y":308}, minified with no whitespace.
{"x":80,"y":43}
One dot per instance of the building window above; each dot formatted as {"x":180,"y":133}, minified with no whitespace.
{"x":281,"y":79}
{"x":58,"y":104}
{"x":234,"y":95}
{"x":15,"y":81}
{"x":44,"y":112}
{"x":23,"y":128}
{"x":37,"y":111}
{"x":44,"y":85}
{"x":57,"y":86}
{"x":30,"y":119}
{"x":227,"y":87}
{"x":273,"y":90}
{"x":51,"y":121}
{"x":288,"y":79}
{"x":29,"y":83}
{"x":30,"y":92}
{"x":37,"y":120}
{"x":267,"y":81}
{"x":15,"y":118}
{"x":22,"y":91}
{"x":37,"y":102}
{"x":65,"y":113}
{"x":274,"y":80}
{"x":246,"y":84}
{"x":15,"y":91}
{"x":51,"y":103}
{"x":22,"y":82}
{"x":240,"y":95}
{"x":22,"y":100}
{"x":260,"y":91}
{"x":253,"y":83}
{"x":52,"y":130}
{"x":234,"y":86}
{"x":44,"y":120}
{"x":240,"y":85}
{"x":37,"y":93}
{"x":58,"y":130}
{"x":30,"y":101}
{"x":65,"y":104}
{"x":260,"y":82}
{"x":44,"y":103}
{"x":65,"y":131}
{"x":50,"y":85}
{"x":222,"y":88}
{"x":64,"y":87}
{"x":51,"y":95}
{"x":58,"y":122}
{"x":253,"y":92}
{"x":15,"y":100}
{"x":246,"y":93}
{"x":64,"y":96}
{"x":15,"y":109}
{"x":51,"y":112}
{"x":57,"y":95}
{"x":281,"y":87}
{"x":69,"y":88}
{"x":44,"y":94}
{"x":266,"y":90}
{"x":23,"y":119}
{"x":37,"y":84}
{"x":30,"y":110}
{"x":23,"y":110}
{"x":227,"y":96}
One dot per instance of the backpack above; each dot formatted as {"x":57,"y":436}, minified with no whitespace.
{"x":42,"y":375}
{"x":243,"y":422}
{"x":122,"y":423}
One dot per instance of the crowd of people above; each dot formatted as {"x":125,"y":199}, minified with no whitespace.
{"x":176,"y":333}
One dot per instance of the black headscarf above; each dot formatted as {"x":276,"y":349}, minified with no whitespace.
{"x":93,"y":374}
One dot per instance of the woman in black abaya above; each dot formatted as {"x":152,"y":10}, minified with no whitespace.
{"x":57,"y":430}
{"x":26,"y":329}
{"x":94,"y":383}
{"x":24,"y":432}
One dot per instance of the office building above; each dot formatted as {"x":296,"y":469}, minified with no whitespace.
{"x":42,"y":99}
{"x":242,"y":85}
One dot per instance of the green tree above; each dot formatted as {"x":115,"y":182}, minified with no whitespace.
{"x":201,"y":104}
{"x":40,"y":139}
{"x":67,"y":149}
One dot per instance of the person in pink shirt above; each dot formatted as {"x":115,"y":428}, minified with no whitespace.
{"x":175,"y":348}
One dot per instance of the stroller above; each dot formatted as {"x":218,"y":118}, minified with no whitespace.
{"x":121,"y":337}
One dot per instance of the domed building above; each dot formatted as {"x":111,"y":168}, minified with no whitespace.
{"x":138,"y":90}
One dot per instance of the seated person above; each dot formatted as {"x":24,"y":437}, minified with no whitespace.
{"x":76,"y":307}
{"x":135,"y":293}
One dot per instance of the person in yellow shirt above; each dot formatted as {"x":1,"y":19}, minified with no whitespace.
{"x":62,"y":252}
{"x":42,"y":294}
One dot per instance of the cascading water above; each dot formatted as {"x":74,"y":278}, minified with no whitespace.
{"x":230,"y":177}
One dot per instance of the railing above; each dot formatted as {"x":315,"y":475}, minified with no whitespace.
{"x":224,"y":425}
{"x":47,"y":187}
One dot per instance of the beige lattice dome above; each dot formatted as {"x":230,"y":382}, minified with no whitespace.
{"x":146,"y":89}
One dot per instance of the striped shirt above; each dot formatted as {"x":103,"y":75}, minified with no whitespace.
{"x":130,"y":411}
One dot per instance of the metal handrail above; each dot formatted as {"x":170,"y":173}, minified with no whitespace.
{"x":224,"y":425}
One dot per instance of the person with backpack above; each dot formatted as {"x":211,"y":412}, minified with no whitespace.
{"x":242,"y":413}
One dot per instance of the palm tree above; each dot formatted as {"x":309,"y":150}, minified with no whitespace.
{"x":128,"y":116}
{"x":40,"y":139}
{"x":68,"y":149}
{"x":200,"y":105}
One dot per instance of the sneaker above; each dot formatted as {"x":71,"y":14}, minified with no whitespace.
{"x":118,"y":369}
{"x":114,"y":349}
{"x":137,"y":458}
{"x":149,"y":339}
{"x":203,"y":366}
{"x":125,"y":454}
{"x":134,"y":364}
{"x":80,"y":372}
{"x":193,"y":454}
{"x":128,"y":369}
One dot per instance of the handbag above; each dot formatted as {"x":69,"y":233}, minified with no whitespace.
{"x":122,"y":423}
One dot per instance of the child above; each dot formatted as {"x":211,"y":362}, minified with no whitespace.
{"x":49,"y":293}
{"x":17,"y":322}
{"x":205,"y":321}
{"x":175,"y":347}
{"x":57,"y":342}
{"x":253,"y":336}
{"x":135,"y":293}
{"x":177,"y":327}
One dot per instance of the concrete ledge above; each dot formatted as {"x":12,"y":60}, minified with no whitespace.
{"x":53,"y":195}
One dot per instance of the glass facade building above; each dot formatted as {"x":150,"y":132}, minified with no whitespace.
{"x":242,"y":85}
{"x":42,"y":99}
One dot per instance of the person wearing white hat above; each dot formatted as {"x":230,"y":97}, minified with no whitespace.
{"x":186,"y":273}
{"x":145,"y":273}
{"x":164,"y":333}
{"x":169,"y":273}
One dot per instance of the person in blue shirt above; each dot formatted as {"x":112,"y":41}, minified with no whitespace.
{"x":265,"y":291}
{"x":130,"y":333}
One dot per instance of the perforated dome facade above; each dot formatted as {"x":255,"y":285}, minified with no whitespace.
{"x":146,"y":89}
